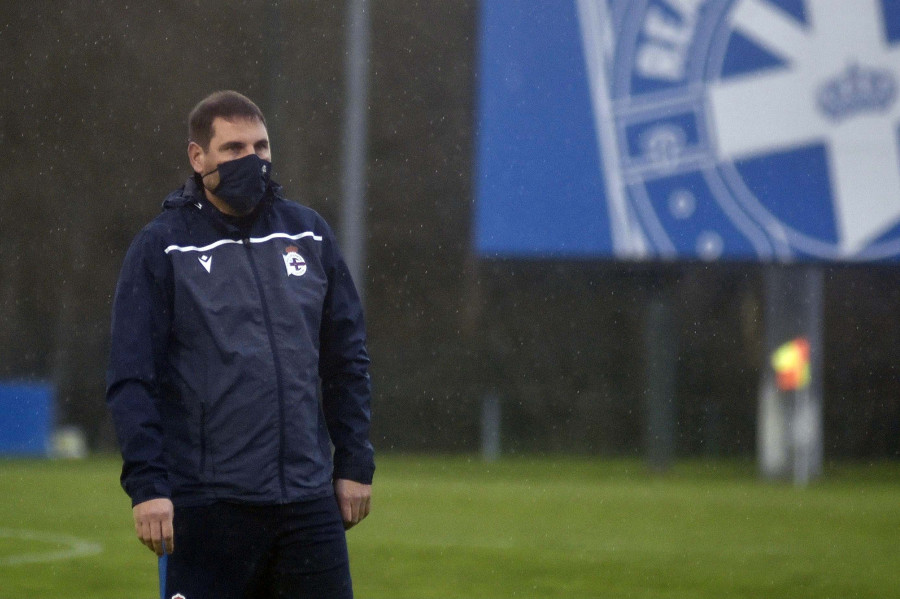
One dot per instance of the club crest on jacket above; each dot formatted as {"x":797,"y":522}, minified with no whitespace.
{"x":293,"y":261}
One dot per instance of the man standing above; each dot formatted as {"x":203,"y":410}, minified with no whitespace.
{"x":238,"y":379}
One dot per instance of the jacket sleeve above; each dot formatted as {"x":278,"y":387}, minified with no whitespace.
{"x":344,"y":371}
{"x":140,"y":328}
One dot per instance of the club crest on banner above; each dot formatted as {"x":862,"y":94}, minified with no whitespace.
{"x":763,"y":128}
{"x":293,"y":261}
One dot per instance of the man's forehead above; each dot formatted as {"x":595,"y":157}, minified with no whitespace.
{"x":237,"y":127}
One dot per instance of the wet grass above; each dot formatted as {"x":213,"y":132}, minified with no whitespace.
{"x":453,"y":527}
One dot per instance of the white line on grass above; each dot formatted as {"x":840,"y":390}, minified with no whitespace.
{"x":74,"y":547}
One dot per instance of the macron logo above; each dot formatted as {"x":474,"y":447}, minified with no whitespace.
{"x":206,"y":261}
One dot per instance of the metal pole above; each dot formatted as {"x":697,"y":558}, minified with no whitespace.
{"x":490,"y":428}
{"x":661,"y":354}
{"x":790,"y":421}
{"x":353,"y":179}
{"x":808,"y":409}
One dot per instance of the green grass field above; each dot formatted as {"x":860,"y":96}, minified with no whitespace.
{"x":449,"y":527}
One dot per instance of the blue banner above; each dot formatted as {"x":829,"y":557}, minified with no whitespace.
{"x":26,"y":418}
{"x":761,"y":130}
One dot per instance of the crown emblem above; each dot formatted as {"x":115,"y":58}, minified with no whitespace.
{"x":857,"y":90}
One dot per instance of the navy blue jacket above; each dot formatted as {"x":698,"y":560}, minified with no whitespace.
{"x":224,"y":332}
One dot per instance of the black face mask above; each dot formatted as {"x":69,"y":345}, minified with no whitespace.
{"x":242,"y":182}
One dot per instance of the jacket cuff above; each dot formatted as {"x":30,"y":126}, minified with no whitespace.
{"x":154,"y":490}
{"x":360,"y":473}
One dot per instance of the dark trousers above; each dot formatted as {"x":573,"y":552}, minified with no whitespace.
{"x":228,"y":550}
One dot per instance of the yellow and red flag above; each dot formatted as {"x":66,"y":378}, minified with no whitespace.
{"x":791,"y":364}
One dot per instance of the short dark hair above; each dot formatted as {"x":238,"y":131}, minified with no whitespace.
{"x":226,"y":104}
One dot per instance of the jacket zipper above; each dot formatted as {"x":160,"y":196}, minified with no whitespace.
{"x":202,"y":440}
{"x":278,"y":376}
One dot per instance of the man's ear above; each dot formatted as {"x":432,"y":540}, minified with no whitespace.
{"x":195,"y":155}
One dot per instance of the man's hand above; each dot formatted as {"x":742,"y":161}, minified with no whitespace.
{"x":153,"y":524}
{"x":354,"y":500}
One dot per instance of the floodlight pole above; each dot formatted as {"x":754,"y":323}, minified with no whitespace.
{"x":354,"y":150}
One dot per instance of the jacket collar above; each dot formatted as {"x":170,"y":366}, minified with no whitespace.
{"x":191,"y":194}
